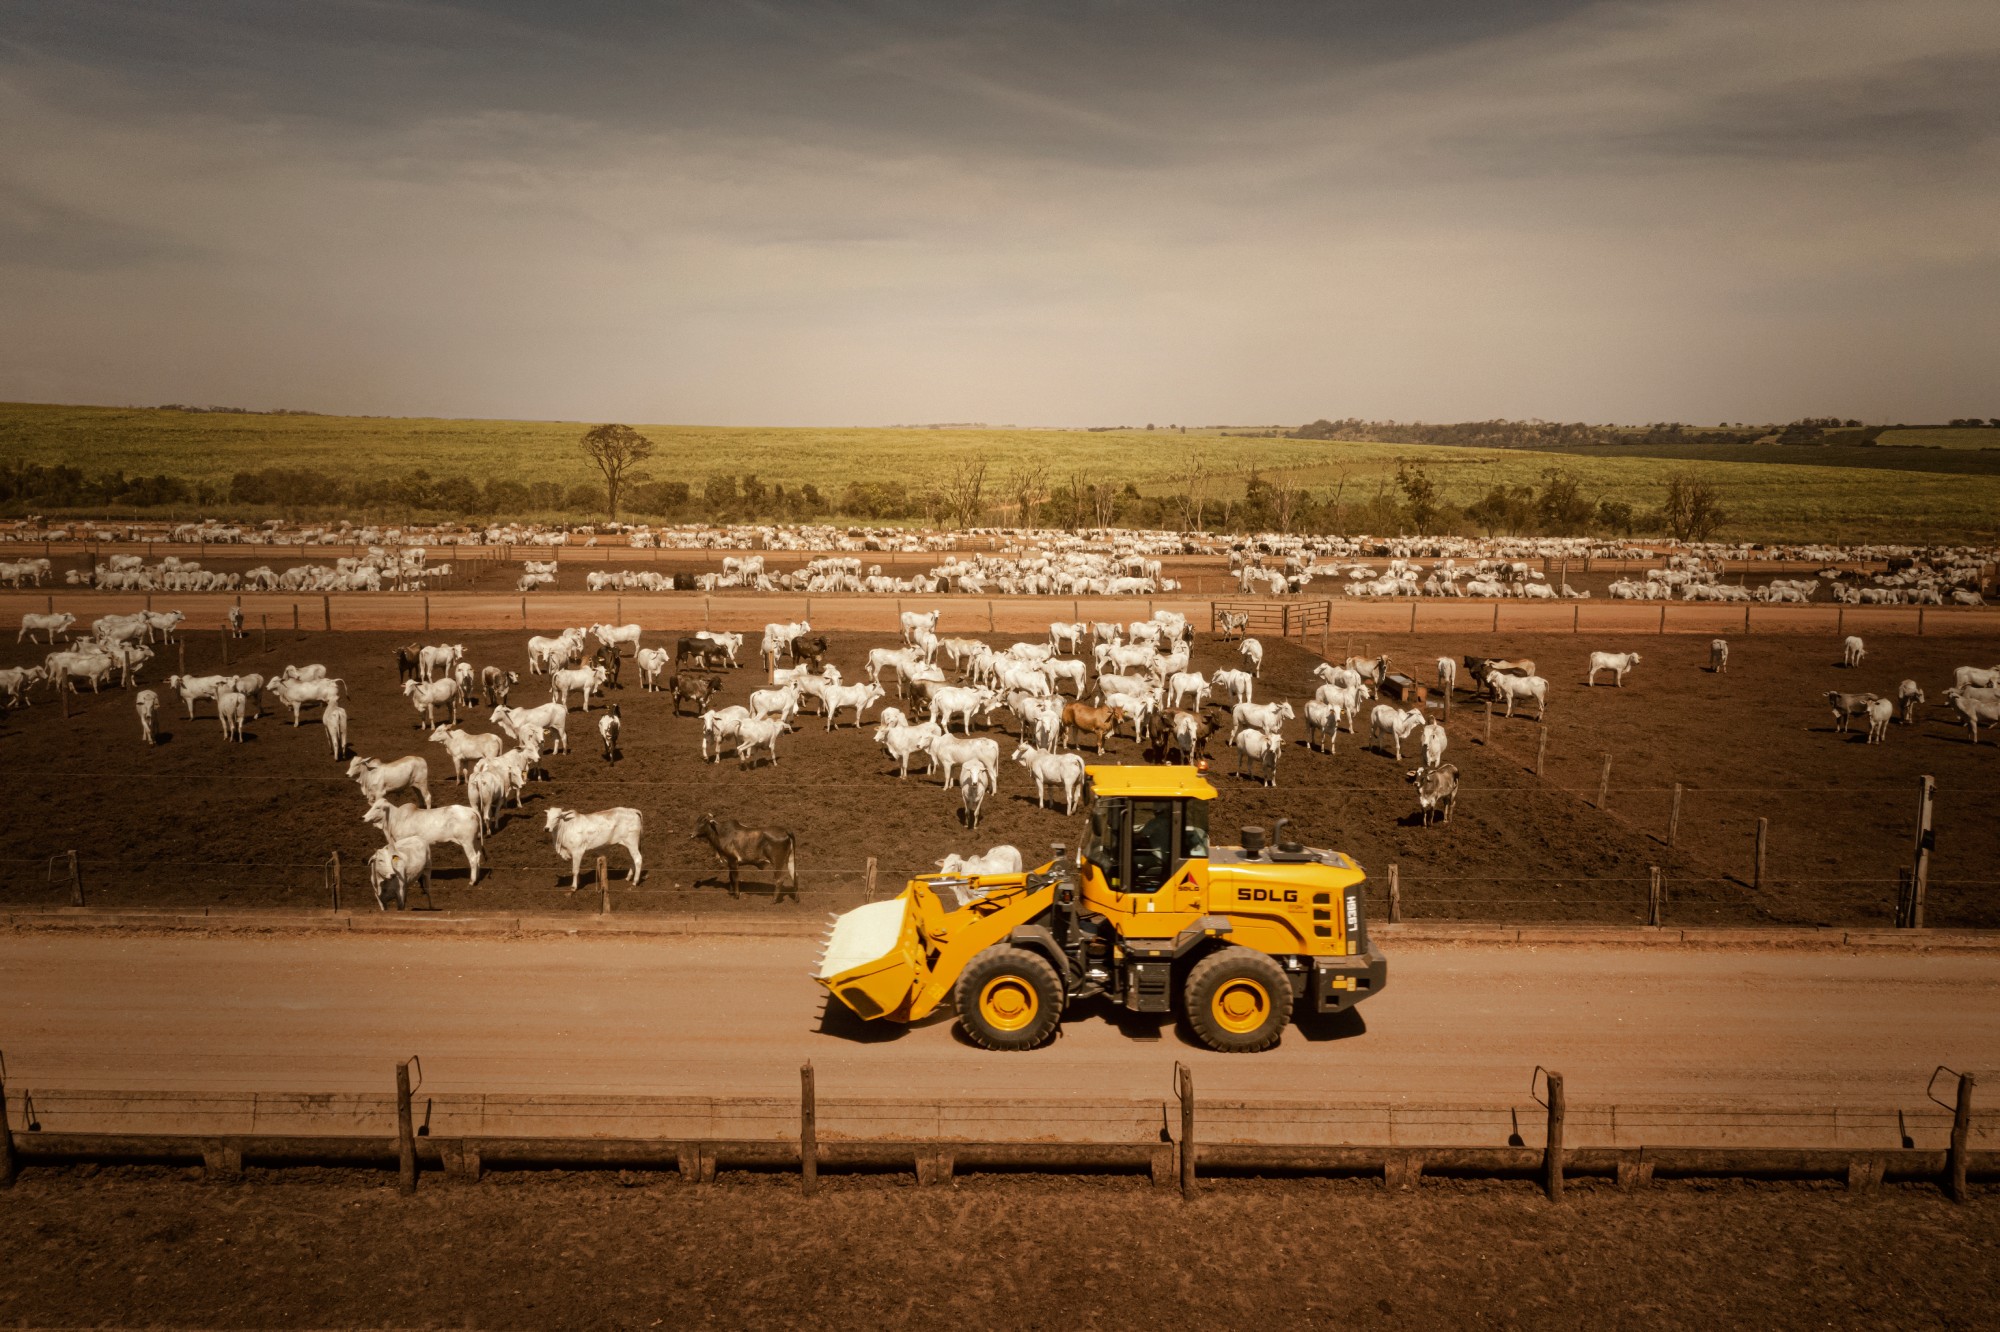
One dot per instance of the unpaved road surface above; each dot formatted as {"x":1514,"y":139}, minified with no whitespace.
{"x":736,"y":1016}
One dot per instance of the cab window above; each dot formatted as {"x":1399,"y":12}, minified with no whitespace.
{"x":1105,"y":850}
{"x":1154,"y":838}
{"x":1194,"y":830}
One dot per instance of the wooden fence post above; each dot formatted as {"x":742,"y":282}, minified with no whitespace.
{"x":1395,"y":895}
{"x":1961,"y":1132}
{"x":1673,"y":824}
{"x":406,"y":1138}
{"x":1184,"y":1087}
{"x":264,"y":631}
{"x":808,"y":1132}
{"x":223,"y":635}
{"x":427,"y":614}
{"x":603,"y":886}
{"x":1763,"y":839}
{"x":1552,"y":1150}
{"x":1324,"y":625}
{"x":326,"y":611}
{"x":1604,"y":784}
{"x":1488,"y":739}
{"x":7,"y":1166}
{"x":1920,"y":872}
{"x":295,"y":617}
{"x":1656,"y":893}
{"x":1496,"y":617}
{"x":871,"y":878}
{"x":334,"y":866}
{"x":1541,"y":750}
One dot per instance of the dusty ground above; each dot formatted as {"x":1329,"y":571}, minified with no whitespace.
{"x":1458,"y":1024}
{"x":198,"y":822}
{"x":140,"y":1246}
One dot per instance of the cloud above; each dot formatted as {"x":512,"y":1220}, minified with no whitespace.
{"x":1074,"y":213}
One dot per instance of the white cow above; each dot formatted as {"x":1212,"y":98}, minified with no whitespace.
{"x":379,"y":780}
{"x":1267,"y":717}
{"x":1519,"y":688}
{"x":453,"y":823}
{"x":577,"y":835}
{"x":1394,"y":726}
{"x":1616,"y":662}
{"x":1852,"y":650}
{"x":334,"y":721}
{"x":466,"y":748}
{"x":148,"y":705}
{"x":1258,"y":751}
{"x":1064,"y":770}
{"x":1718,"y":656}
{"x":1253,"y":656}
{"x":1002,"y":859}
{"x":392,"y":867}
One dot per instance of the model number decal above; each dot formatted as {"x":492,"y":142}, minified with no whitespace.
{"x":1267,"y":895}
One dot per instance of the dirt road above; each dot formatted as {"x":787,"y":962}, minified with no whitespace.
{"x":733,"y":1015}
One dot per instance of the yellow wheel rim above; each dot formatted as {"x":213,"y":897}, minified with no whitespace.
{"x":1008,"y":1003}
{"x":1241,"y":1006}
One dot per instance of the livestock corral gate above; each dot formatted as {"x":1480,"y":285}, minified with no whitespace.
{"x":1279,"y":619}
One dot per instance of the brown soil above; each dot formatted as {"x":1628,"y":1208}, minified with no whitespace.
{"x":341,"y":1249}
{"x":196,"y":822}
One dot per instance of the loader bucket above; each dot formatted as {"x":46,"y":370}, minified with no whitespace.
{"x":874,"y":961}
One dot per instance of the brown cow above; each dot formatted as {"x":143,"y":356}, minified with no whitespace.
{"x":739,"y":845}
{"x":695,"y":689}
{"x":1099,"y":722}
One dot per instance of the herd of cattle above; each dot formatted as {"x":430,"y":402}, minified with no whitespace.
{"x":1087,"y":685}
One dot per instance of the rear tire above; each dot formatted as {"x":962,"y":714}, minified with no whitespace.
{"x":1009,"y":999}
{"x":1238,"y":1001}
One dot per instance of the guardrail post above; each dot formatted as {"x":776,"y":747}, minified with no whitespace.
{"x":406,"y":1137}
{"x":7,"y":1166}
{"x":808,"y":1132}
{"x":1961,"y":1132}
{"x":1395,"y":896}
{"x":1184,"y":1088}
{"x":603,"y":886}
{"x":1763,"y":840}
{"x":1552,"y":1153}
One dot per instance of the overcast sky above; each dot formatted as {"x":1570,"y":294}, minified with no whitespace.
{"x":1036,"y":213}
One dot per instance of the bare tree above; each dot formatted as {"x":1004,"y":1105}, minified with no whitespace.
{"x":1338,"y":491}
{"x":1192,"y":478}
{"x":1285,"y":495}
{"x":1076,"y":501}
{"x":1104,"y":503}
{"x":964,"y":492}
{"x":617,"y":451}
{"x":1026,"y":485}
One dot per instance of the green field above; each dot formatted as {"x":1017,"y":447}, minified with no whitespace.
{"x":1785,"y":499}
{"x":1944,"y":437}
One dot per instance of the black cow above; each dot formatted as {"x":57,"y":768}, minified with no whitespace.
{"x":406,"y":663}
{"x":738,"y":846}
{"x":701,"y":652}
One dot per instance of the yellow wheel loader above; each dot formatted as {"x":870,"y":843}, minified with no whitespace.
{"x":1147,"y":914}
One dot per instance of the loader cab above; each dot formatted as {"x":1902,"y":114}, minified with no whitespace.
{"x":1146,"y":824}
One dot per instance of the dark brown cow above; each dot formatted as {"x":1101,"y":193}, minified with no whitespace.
{"x":702,"y":652}
{"x":406,"y":663}
{"x":695,"y":689}
{"x":739,"y":845}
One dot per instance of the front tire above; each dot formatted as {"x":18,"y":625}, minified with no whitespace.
{"x":1009,"y":999}
{"x":1238,"y":1001}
